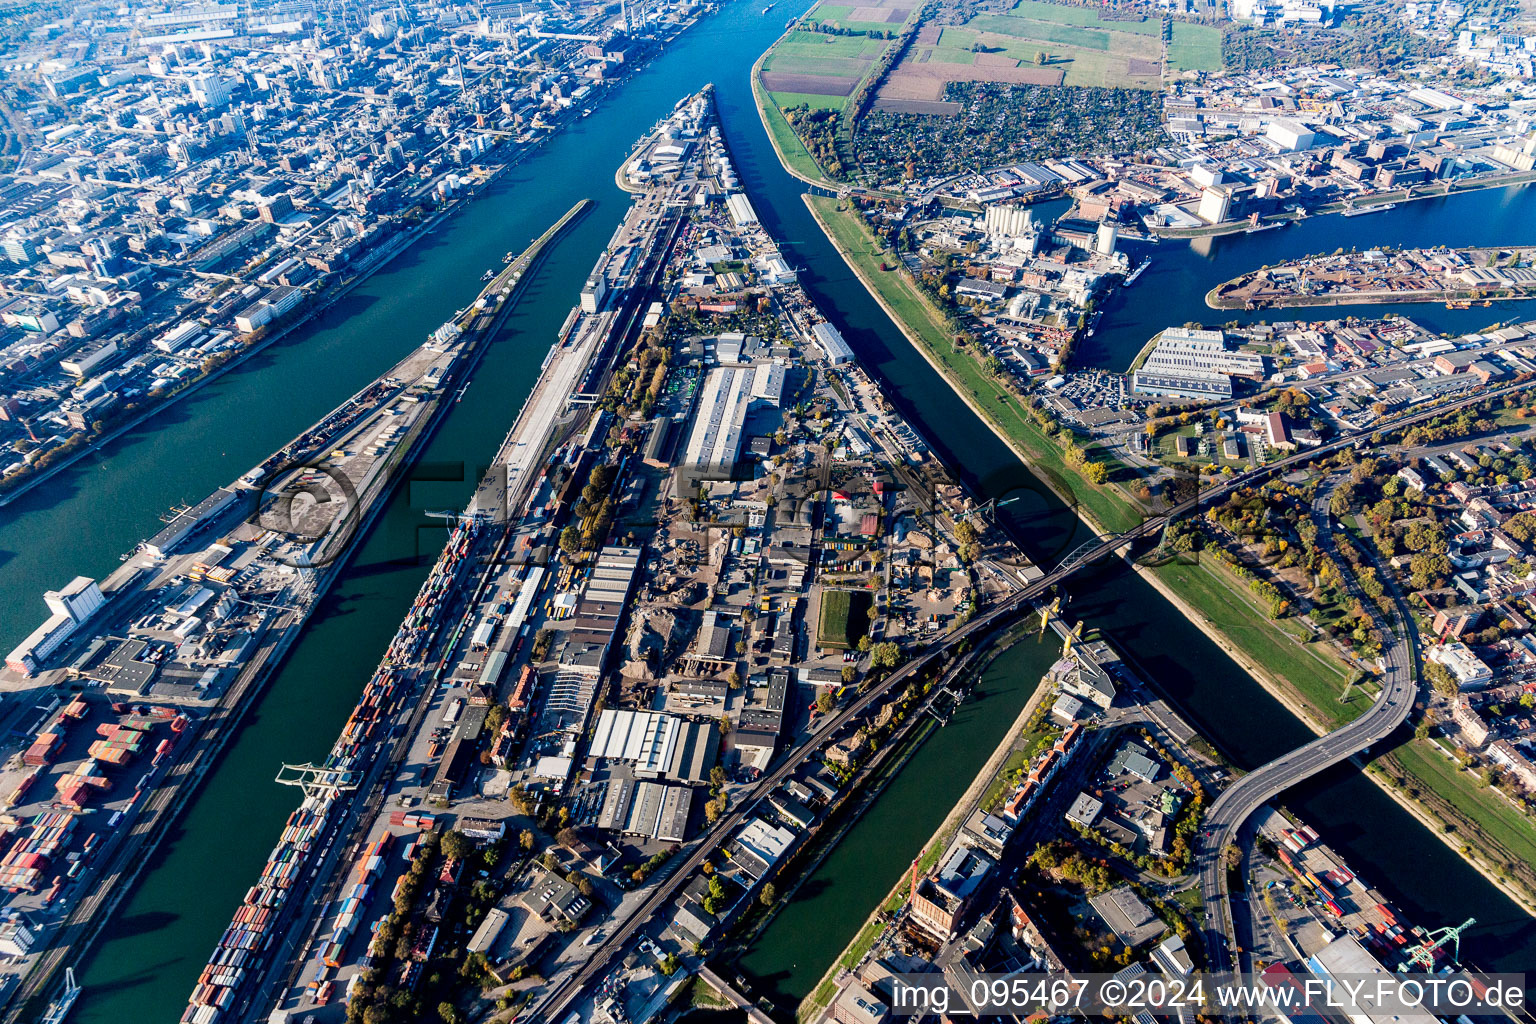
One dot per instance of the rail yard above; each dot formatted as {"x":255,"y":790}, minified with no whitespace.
{"x":125,"y":696}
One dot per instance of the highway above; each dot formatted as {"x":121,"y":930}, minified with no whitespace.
{"x":1229,"y":811}
{"x":1238,"y":801}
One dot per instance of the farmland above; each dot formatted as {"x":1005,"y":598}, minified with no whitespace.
{"x":1070,"y":45}
{"x":822,"y":70}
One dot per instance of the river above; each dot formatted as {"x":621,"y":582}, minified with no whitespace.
{"x":82,"y":520}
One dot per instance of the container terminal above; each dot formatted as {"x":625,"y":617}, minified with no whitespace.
{"x":115,"y":707}
{"x":406,"y":715}
{"x":495,"y":700}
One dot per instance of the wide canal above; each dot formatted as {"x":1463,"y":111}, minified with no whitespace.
{"x":83,"y":520}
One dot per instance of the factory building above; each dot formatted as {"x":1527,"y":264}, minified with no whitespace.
{"x":729,"y":393}
{"x":830,"y":340}
{"x":71,"y":605}
{"x":1009,"y":221}
{"x":1290,"y":136}
{"x":1215,"y":204}
{"x":1194,"y":364}
{"x":656,"y":745}
{"x":940,"y":901}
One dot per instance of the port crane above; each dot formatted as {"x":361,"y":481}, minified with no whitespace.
{"x":59,"y":1008}
{"x":1423,"y":956}
{"x":317,"y":781}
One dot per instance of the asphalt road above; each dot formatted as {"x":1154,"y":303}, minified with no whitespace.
{"x":1234,"y":805}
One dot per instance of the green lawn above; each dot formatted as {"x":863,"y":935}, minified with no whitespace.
{"x":1195,"y":47}
{"x":948,"y":55}
{"x":1316,"y":676}
{"x":994,"y":791}
{"x":1045,"y":32}
{"x":828,"y":12}
{"x":844,"y":618}
{"x":819,"y":44}
{"x":815,"y":101}
{"x":1109,"y":506}
{"x":960,"y":38}
{"x":1491,"y":812}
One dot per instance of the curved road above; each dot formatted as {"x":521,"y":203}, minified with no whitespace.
{"x":1237,"y":802}
{"x":1228,"y":812}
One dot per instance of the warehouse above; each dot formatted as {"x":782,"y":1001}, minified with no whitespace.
{"x":715,"y":442}
{"x":830,"y":340}
{"x":656,"y":745}
{"x":654,"y":810}
{"x":1197,"y":364}
{"x":1345,"y":958}
{"x":741,"y":210}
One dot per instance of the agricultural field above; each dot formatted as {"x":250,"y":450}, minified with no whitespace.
{"x":1038,"y":43}
{"x":822,"y":70}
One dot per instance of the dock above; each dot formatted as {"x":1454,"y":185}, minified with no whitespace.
{"x":292,"y":521}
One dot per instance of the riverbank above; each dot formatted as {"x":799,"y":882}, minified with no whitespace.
{"x":392,"y":248}
{"x":396,"y":245}
{"x":1101,"y":511}
{"x":793,"y":156}
{"x":826,"y":989}
{"x":184,"y":780}
{"x":1239,"y":227}
{"x":1399,"y":276}
{"x":1474,"y":298}
{"x":1272,"y":684}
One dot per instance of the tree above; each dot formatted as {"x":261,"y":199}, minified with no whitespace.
{"x":448,"y":1012}
{"x":769,"y":896}
{"x":885,"y":654}
{"x":570,"y":540}
{"x":526,"y":839}
{"x":850,"y":673}
{"x":457,"y":846}
{"x":1096,"y":473}
{"x":1041,"y":57}
{"x":824,"y":702}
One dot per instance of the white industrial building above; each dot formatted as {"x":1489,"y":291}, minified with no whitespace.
{"x":1346,"y":960}
{"x":1008,"y":220}
{"x":718,"y":425}
{"x":71,"y":605}
{"x":656,"y":745}
{"x":1290,"y":136}
{"x":740,"y":210}
{"x":830,"y":340}
{"x":1191,"y":363}
{"x":1215,"y":204}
